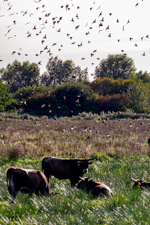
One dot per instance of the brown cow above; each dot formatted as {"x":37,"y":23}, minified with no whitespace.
{"x":66,"y":168}
{"x":95,"y":188}
{"x":140,"y":182}
{"x":26,"y":181}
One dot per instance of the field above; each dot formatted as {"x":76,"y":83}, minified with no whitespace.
{"x":121,"y":150}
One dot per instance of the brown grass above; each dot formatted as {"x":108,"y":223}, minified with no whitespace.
{"x":68,"y":138}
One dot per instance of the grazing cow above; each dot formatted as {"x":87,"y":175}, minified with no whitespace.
{"x":95,"y":188}
{"x":26,"y":181}
{"x":140,"y":182}
{"x":66,"y":168}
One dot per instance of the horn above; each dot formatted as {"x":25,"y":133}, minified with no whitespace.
{"x":89,"y":176}
{"x":133,"y":179}
{"x":91,"y":158}
{"x":81,"y":178}
{"x":142,"y":179}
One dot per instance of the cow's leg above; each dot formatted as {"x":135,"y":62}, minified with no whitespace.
{"x":13,"y":196}
{"x":12,"y":190}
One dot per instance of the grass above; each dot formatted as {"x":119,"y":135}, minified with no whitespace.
{"x":121,"y":149}
{"x":73,"y":206}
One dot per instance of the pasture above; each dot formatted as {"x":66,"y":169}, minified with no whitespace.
{"x":121,"y":150}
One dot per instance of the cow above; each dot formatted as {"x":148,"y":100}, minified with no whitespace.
{"x":65,"y":168}
{"x":93,"y":187}
{"x":141,"y":183}
{"x":26,"y":181}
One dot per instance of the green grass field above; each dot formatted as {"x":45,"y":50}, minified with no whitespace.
{"x":121,"y":150}
{"x":73,"y":206}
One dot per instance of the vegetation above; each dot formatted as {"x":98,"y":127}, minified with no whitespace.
{"x":19,"y":75}
{"x":4,"y":97}
{"x":115,"y":66}
{"x":59,"y":72}
{"x":108,"y":118}
{"x":121,"y":150}
{"x":64,"y":90}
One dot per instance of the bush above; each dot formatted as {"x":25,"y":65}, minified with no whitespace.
{"x":25,"y":93}
{"x":116,"y":102}
{"x":73,"y":98}
{"x":39,"y":104}
{"x":104,"y":86}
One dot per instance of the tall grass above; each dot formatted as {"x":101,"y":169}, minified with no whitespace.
{"x":121,"y":149}
{"x":73,"y":206}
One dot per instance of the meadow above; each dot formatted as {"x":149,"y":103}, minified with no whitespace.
{"x":121,"y":150}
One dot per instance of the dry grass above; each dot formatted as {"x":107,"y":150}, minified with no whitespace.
{"x":68,"y":138}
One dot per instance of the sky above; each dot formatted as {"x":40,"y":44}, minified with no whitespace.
{"x":85,"y":31}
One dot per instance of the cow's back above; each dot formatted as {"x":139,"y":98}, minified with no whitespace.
{"x":38,"y":182}
{"x":57,"y":167}
{"x":101,"y":190}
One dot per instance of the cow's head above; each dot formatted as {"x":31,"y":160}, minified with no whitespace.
{"x":138,"y":182}
{"x":83,"y":164}
{"x":83,"y":182}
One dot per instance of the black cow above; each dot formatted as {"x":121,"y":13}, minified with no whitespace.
{"x":26,"y":181}
{"x":68,"y":168}
{"x":95,"y":188}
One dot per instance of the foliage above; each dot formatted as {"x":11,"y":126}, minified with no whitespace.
{"x":38,"y":103}
{"x":116,"y":102}
{"x":59,"y":71}
{"x":115,"y":66}
{"x":25,"y":93}
{"x":103,"y":86}
{"x":138,"y":99}
{"x":143,"y":76}
{"x":4,"y":97}
{"x":73,"y":98}
{"x":17,"y":75}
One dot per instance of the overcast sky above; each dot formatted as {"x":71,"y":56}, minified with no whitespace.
{"x":82,"y":30}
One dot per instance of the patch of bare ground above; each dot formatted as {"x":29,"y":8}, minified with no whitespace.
{"x":68,"y":138}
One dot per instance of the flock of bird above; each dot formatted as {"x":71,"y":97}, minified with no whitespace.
{"x":40,"y":22}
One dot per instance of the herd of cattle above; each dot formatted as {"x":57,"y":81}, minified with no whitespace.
{"x":34,"y":181}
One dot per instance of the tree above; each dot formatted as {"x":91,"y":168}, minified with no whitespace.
{"x":144,"y":76}
{"x":138,"y":99}
{"x":19,"y":75}
{"x":115,"y":66}
{"x":59,"y":71}
{"x":4,"y":97}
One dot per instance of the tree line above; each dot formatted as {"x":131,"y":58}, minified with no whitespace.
{"x":64,"y":89}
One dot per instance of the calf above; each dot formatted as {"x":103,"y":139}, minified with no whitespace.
{"x":95,"y":188}
{"x":141,"y":183}
{"x":66,"y":168}
{"x":26,"y":181}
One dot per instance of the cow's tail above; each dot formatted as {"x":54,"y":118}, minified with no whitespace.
{"x":8,"y":176}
